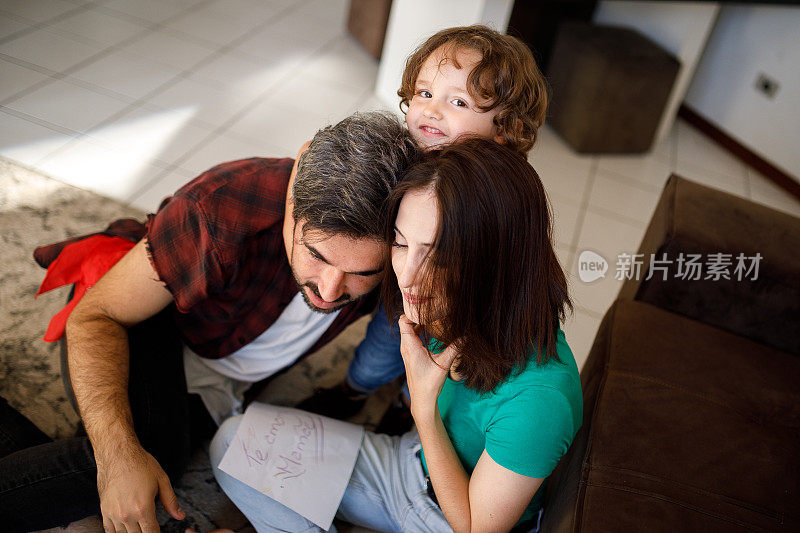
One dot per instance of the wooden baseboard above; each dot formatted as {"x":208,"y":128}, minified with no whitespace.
{"x":770,"y":171}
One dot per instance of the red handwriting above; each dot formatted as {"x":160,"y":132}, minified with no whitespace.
{"x":273,"y":429}
{"x":255,"y":453}
{"x":307,"y":439}
{"x":251,"y":451}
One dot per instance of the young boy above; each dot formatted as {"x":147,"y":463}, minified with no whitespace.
{"x":463,"y":81}
{"x":473,"y":80}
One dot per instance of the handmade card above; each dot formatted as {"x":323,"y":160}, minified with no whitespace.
{"x":300,"y":459}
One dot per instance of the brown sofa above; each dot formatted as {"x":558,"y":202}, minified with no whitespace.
{"x":692,"y":387}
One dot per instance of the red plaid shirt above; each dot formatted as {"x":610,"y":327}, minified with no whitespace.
{"x":217,"y":244}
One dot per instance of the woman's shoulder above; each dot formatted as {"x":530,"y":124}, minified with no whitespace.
{"x":537,"y":413}
{"x":558,"y":376}
{"x":562,"y":367}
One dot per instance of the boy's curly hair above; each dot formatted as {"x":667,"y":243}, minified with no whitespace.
{"x":507,"y":77}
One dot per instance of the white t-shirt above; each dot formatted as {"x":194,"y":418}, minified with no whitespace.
{"x":221,"y":383}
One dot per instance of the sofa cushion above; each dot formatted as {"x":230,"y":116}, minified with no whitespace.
{"x":686,"y":428}
{"x":694,"y":219}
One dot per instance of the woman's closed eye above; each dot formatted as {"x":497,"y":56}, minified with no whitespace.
{"x":399,"y":240}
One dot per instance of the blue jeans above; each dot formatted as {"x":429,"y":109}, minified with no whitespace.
{"x":377,"y":359}
{"x":386,"y":492}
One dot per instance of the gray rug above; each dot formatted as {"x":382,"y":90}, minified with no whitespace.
{"x":36,"y":210}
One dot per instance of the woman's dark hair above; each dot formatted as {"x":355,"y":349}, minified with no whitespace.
{"x":500,"y":291}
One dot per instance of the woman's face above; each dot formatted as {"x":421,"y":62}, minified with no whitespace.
{"x":414,"y":231}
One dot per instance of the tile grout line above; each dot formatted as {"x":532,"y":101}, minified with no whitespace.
{"x":122,"y":15}
{"x":132,"y":103}
{"x":152,"y":27}
{"x":39,"y":122}
{"x":142,"y":102}
{"x":222,"y":128}
{"x":66,"y":72}
{"x":225,"y":126}
{"x":42,"y":24}
{"x":710,"y":173}
{"x":723,"y":180}
{"x":31,"y":66}
{"x":628,"y":180}
{"x":622,"y":219}
{"x":584,"y":206}
{"x":576,"y":232}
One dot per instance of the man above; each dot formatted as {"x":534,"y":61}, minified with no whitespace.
{"x":247,"y":285}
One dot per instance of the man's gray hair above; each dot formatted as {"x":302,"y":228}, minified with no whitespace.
{"x":348,"y":171}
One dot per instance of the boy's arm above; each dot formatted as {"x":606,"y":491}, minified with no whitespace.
{"x":128,"y":478}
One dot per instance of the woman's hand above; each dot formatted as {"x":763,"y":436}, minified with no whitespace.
{"x":425,"y":372}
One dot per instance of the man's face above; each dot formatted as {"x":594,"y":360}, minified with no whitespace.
{"x":334,"y":270}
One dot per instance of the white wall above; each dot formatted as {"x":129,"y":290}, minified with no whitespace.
{"x":413,"y":21}
{"x":746,"y":41}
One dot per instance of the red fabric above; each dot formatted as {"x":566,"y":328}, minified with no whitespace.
{"x":83,"y":263}
{"x":131,"y":229}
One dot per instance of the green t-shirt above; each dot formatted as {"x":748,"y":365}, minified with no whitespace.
{"x":526,"y":424}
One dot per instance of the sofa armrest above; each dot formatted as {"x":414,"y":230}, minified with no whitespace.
{"x":566,"y":484}
{"x":691,"y":219}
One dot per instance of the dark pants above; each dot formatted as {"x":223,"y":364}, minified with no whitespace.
{"x":45,"y":484}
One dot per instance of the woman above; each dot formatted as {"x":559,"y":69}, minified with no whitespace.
{"x":496,"y":401}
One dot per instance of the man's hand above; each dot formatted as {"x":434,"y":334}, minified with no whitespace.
{"x":128,"y":485}
{"x":128,"y":478}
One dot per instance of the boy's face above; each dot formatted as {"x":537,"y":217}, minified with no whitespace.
{"x":442,"y":108}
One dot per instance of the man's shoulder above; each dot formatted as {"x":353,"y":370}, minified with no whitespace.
{"x":225,"y":207}
{"x":256,"y":177}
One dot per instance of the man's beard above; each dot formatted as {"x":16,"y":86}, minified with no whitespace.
{"x":344,"y":298}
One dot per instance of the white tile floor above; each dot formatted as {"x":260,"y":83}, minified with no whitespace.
{"x":133,"y":98}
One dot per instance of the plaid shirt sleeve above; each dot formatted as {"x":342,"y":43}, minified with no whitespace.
{"x":187,"y":260}
{"x":199,"y":238}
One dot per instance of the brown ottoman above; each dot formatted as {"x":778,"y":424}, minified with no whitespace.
{"x":610,"y":86}
{"x":686,"y":428}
